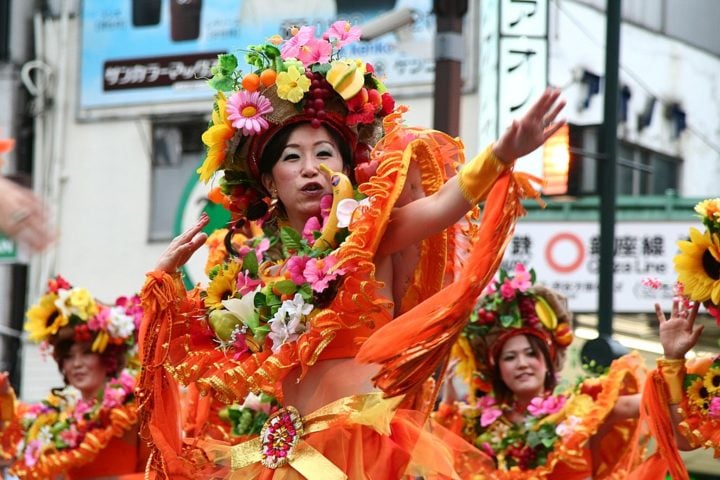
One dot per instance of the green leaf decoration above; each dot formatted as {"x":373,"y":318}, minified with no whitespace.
{"x":290,"y":238}
{"x":507,"y":321}
{"x":227,"y":63}
{"x":690,"y":378}
{"x":221,"y":83}
{"x":250,"y":263}
{"x":285,"y":287}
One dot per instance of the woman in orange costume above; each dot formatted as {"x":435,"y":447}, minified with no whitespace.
{"x":89,"y":428}
{"x":338,"y":260}
{"x":682,"y":397}
{"x":512,"y":352}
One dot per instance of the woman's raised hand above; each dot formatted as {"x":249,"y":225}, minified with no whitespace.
{"x":532,"y":129}
{"x":678,"y":334}
{"x":183,"y":246}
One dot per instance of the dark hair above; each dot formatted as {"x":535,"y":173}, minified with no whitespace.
{"x":113,"y":358}
{"x":273,"y":149}
{"x":503,"y":394}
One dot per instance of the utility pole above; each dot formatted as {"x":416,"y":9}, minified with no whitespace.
{"x":449,"y":51}
{"x":604,"y":349}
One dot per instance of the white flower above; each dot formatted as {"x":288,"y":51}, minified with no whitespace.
{"x":120,"y":325}
{"x":243,"y":308}
{"x":287,"y":324}
{"x":62,"y":302}
{"x":71,"y":395}
{"x":345,"y":210}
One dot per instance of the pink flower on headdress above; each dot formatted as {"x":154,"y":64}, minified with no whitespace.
{"x":314,"y":51}
{"x":522,"y":279}
{"x":245,"y":111}
{"x":320,"y":272}
{"x":341,"y":33}
{"x":99,"y":321}
{"x":507,"y":291}
{"x":291,"y":48}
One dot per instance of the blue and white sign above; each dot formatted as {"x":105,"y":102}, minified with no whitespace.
{"x":149,"y":53}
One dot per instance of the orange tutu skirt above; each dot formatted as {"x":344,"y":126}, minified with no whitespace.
{"x":355,"y":438}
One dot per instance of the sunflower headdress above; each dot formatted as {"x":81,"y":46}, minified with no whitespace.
{"x":512,"y":305}
{"x":71,"y":313}
{"x":299,"y":79}
{"x":698,"y":263}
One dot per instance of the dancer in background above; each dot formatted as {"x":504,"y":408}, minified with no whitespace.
{"x":512,"y":353}
{"x":88,"y":428}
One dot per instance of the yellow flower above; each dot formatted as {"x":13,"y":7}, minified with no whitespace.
{"x":44,"y":319}
{"x":698,"y":266}
{"x":217,"y":138}
{"x":462,"y":351}
{"x":709,"y":208}
{"x":223,"y":286}
{"x":698,"y":394}
{"x":82,"y":304}
{"x":292,"y":85}
{"x":711,"y":380}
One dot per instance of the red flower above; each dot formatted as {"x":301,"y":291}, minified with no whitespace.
{"x":58,"y":283}
{"x":361,"y":110}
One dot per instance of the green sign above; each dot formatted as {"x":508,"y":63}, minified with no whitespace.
{"x":8,"y":250}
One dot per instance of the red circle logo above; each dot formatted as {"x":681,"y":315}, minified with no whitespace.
{"x":564,"y":252}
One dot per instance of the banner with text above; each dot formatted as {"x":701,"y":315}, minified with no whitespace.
{"x":566,"y":256}
{"x":149,"y":53}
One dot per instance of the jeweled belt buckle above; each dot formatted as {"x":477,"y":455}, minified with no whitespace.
{"x":279,"y":435}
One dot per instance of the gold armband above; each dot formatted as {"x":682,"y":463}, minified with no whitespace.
{"x":7,"y":406}
{"x":479,"y":174}
{"x":673,"y":372}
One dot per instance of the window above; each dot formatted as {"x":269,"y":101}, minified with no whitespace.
{"x":177,"y":153}
{"x":640,"y":171}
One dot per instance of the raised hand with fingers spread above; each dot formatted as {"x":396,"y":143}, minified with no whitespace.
{"x":678,"y":334}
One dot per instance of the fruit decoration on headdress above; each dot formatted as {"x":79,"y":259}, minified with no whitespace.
{"x":286,"y":81}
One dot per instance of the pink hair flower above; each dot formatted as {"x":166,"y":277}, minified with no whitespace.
{"x":291,"y":48}
{"x":245,"y":111}
{"x":295,"y":267}
{"x":315,"y":51}
{"x":507,"y":290}
{"x":342,"y":33}
{"x":714,"y":408}
{"x":522,"y":279}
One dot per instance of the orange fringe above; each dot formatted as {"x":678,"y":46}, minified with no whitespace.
{"x":655,"y":411}
{"x":410,"y":349}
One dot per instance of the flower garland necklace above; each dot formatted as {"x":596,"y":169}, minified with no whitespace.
{"x":62,"y":421}
{"x":525,"y":444}
{"x":266,"y":296}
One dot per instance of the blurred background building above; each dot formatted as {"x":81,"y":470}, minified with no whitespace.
{"x":107,"y":101}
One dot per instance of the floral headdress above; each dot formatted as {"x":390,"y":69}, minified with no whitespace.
{"x":512,"y":305}
{"x":65,"y":312}
{"x":698,"y":263}
{"x":300,"y":79}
